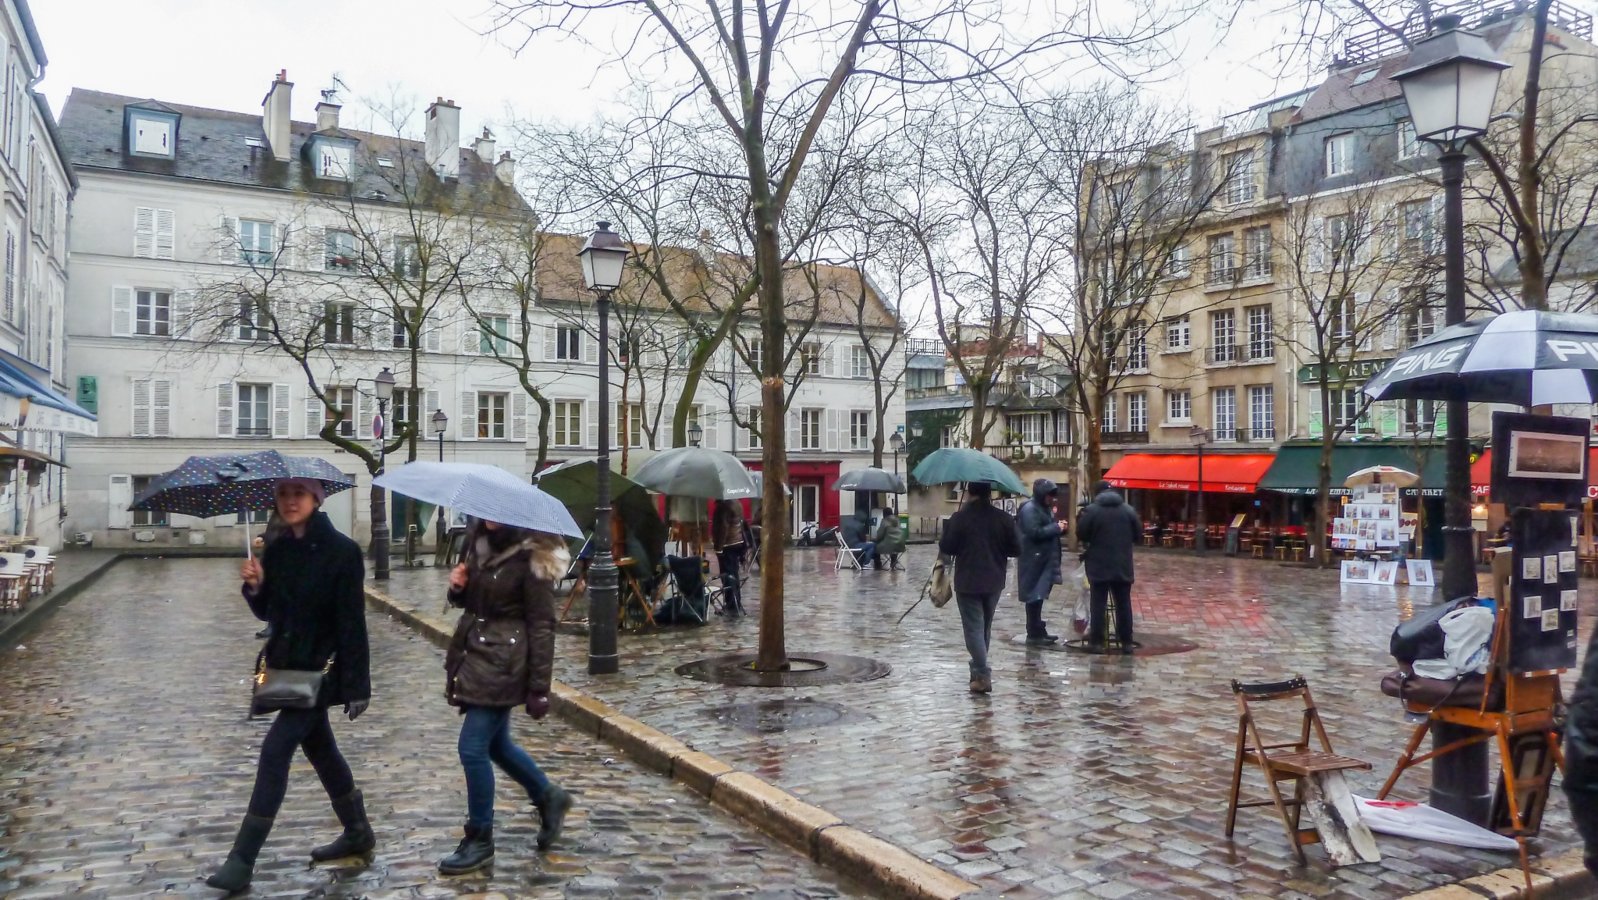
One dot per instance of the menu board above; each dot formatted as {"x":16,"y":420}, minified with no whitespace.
{"x":1371,"y":519}
{"x":1542,"y":613}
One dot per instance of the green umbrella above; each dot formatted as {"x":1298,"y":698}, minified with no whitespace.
{"x":575,"y":484}
{"x":952,"y":465}
{"x":697,"y":472}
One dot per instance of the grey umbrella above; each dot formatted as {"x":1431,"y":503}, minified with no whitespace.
{"x":487,"y":492}
{"x":697,"y":472}
{"x":869,"y":478}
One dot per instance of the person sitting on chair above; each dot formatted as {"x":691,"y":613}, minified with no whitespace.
{"x":890,"y":538}
{"x":854,"y":530}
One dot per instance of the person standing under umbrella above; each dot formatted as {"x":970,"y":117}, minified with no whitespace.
{"x":308,"y":586}
{"x":981,"y":538}
{"x":501,"y":657}
{"x":727,"y":530}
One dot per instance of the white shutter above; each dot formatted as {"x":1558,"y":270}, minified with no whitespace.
{"x":379,"y":328}
{"x":468,"y":417}
{"x":792,"y":438}
{"x":119,"y":496}
{"x":1317,"y":244}
{"x":313,"y":416}
{"x":165,"y":234}
{"x":182,"y":318}
{"x":161,"y":408}
{"x":224,"y":409}
{"x":1395,"y":321}
{"x":280,"y":410}
{"x":433,"y":332}
{"x":434,"y":400}
{"x":227,"y":240}
{"x":470,"y":343}
{"x":141,"y":407}
{"x":144,"y":232}
{"x":591,"y":424}
{"x":1366,"y":333}
{"x":740,"y":436}
{"x":590,"y":347}
{"x":121,"y":310}
{"x":518,"y":416}
{"x":829,"y":362}
{"x":712,"y":428}
{"x":550,"y":334}
{"x":832,"y":428}
{"x":364,"y":406}
{"x":316,"y":248}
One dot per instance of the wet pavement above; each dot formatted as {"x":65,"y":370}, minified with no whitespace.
{"x":1079,"y":776}
{"x":126,"y":764}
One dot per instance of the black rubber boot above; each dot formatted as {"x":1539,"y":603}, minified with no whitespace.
{"x":1037,"y":634}
{"x":476,"y":850}
{"x":357,"y":839}
{"x":235,"y":874}
{"x":552,"y":815}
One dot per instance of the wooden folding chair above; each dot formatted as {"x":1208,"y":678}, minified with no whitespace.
{"x":634,"y":598}
{"x":1319,"y":787}
{"x":16,"y":581}
{"x":847,"y":558}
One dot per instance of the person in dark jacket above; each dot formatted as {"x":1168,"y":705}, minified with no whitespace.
{"x":308,"y":586}
{"x":1581,"y":756}
{"x":890,"y":538}
{"x":856,"y":530}
{"x":1109,"y":529}
{"x":982,"y":539}
{"x":499,"y":658}
{"x":1037,"y":570}
{"x":727,"y":530}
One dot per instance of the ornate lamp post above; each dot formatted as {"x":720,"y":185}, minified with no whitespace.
{"x":383,"y":387}
{"x":896,"y":441}
{"x":440,"y":423}
{"x":696,"y":433}
{"x":1449,"y":84}
{"x":1200,"y":543}
{"x":602,"y":259}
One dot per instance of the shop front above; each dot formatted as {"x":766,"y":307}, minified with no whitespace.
{"x":1296,"y":475}
{"x":1163,"y":487}
{"x":811,"y":498}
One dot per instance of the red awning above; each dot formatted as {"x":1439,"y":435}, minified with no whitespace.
{"x":1481,"y":473}
{"x":1231,"y":473}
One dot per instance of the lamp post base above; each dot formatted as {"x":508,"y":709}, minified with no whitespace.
{"x":602,"y":615}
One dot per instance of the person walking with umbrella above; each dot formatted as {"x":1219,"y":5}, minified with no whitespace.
{"x":982,"y":539}
{"x":499,"y":658}
{"x":308,"y":587}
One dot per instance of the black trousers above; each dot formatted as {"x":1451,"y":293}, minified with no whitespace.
{"x":1581,"y":786}
{"x":1099,"y":598}
{"x":306,"y":729}
{"x":731,"y":559}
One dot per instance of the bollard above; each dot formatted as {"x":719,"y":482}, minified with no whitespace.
{"x":1459,"y":779}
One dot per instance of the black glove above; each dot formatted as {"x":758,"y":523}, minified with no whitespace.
{"x":538,"y":705}
{"x":355,"y":707}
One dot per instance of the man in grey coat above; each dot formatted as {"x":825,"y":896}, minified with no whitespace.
{"x":1037,"y":569}
{"x":1109,"y":529}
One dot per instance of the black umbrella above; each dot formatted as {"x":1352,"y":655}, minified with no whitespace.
{"x":871,"y":479}
{"x":1526,"y":358}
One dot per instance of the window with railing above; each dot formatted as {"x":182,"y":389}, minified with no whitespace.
{"x":1257,"y":252}
{"x":257,"y":242}
{"x":1223,"y":336}
{"x":1224,"y":411}
{"x":253,"y":410}
{"x":1261,"y":333}
{"x":1222,"y":258}
{"x":1262,"y":412}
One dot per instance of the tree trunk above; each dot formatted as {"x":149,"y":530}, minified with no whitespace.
{"x":1323,"y":480}
{"x":772,"y":653}
{"x":979,"y":410}
{"x":703,"y":349}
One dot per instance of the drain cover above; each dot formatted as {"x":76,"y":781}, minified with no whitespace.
{"x":775,"y":716}
{"x":738,"y":669}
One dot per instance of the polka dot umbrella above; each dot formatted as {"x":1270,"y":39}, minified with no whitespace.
{"x":206,"y":486}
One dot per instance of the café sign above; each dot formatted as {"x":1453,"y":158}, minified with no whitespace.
{"x":1352,"y":372}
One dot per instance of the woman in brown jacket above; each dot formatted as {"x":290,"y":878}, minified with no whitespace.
{"x":500,"y":658}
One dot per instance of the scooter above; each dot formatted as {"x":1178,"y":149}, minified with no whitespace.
{"x":812,"y":534}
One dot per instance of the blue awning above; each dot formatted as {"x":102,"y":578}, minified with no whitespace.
{"x":47,"y":409}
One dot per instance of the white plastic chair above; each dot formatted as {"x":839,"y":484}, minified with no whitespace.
{"x":847,"y":558}
{"x":15,"y":581}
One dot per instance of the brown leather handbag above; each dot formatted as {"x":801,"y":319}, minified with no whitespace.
{"x":1466,"y":690}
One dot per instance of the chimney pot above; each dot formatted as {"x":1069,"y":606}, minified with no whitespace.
{"x":443,"y":139}
{"x":327,"y":116}
{"x":484,"y":146}
{"x":275,"y":115}
{"x":505,"y":170}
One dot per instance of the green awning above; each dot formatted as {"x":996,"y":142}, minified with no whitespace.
{"x":1297,"y":466}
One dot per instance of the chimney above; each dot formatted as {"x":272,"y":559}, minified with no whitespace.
{"x":327,"y":116}
{"x":443,"y":148}
{"x":275,"y":115}
{"x":484,"y":146}
{"x":505,"y":170}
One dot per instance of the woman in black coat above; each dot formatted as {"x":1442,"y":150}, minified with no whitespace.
{"x":309,"y":588}
{"x":501,"y":657}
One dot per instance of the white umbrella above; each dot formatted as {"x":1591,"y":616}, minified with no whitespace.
{"x":1382,"y":475}
{"x":487,"y":492}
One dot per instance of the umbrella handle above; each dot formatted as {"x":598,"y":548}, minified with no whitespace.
{"x":249,"y":541}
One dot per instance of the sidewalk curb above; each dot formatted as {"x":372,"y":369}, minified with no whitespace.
{"x":1555,"y":874}
{"x":884,"y":868}
{"x":39,"y":610}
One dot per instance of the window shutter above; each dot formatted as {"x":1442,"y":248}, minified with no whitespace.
{"x":182,"y":319}
{"x":793,"y":440}
{"x":468,"y":417}
{"x":471,"y":341}
{"x":1364,"y":238}
{"x":280,"y":410}
{"x":712,"y":426}
{"x":227,"y":240}
{"x":435,"y":401}
{"x":832,"y":428}
{"x":364,"y":406}
{"x":829,"y":361}
{"x":119,"y":496}
{"x":433,"y":332}
{"x":1395,"y":321}
{"x":313,"y":416}
{"x":590,"y":348}
{"x":550,"y":333}
{"x":1437,"y":223}
{"x":161,"y":408}
{"x":121,"y":310}
{"x":224,"y":409}
{"x":1365,"y":332}
{"x":1314,"y":408}
{"x":1317,"y":244}
{"x":316,"y":248}
{"x":141,"y":407}
{"x":165,"y":234}
{"x":518,"y":416}
{"x":380,"y":328}
{"x":144,"y":232}
{"x":590,"y":425}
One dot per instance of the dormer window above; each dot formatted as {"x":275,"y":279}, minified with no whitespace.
{"x":152,"y":133}
{"x":331,"y":157}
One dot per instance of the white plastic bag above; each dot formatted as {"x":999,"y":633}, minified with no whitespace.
{"x":1423,"y":823}
{"x":1466,"y":634}
{"x":1084,"y":594}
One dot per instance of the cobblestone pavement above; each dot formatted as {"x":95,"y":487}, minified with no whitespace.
{"x":1079,"y":776}
{"x":126,"y":764}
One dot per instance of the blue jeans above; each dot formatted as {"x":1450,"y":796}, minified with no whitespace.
{"x":868,"y":552}
{"x":976,"y":621}
{"x":485,"y":742}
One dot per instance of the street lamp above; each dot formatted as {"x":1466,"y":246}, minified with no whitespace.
{"x":440,"y":423}
{"x":696,"y":433}
{"x":383,"y":386}
{"x":896,"y":441}
{"x":1449,"y":85}
{"x":602,"y":259}
{"x":1200,"y":438}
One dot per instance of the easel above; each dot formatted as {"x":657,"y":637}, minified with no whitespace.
{"x":1528,"y":712}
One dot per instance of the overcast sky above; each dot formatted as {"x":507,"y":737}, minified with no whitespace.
{"x":224,"y":54}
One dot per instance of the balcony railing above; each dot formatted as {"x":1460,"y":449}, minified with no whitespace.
{"x":1225,"y":353}
{"x":1224,"y":435}
{"x":1124,"y":437}
{"x":1261,"y":351}
{"x":1262,"y":433}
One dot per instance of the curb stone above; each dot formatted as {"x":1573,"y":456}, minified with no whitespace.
{"x":885,"y":868}
{"x":40,"y":609}
{"x":1564,"y":875}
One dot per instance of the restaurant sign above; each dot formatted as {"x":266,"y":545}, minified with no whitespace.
{"x":1351,"y":372}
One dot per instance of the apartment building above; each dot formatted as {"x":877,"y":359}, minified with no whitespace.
{"x":203,"y":235}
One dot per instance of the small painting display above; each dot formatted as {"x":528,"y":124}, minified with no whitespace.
{"x":1543,"y":634}
{"x":1538,"y":459}
{"x":1419,"y":572}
